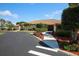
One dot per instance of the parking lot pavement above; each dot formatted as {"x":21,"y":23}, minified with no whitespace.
{"x":24,"y":44}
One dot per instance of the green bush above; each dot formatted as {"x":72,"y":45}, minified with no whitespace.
{"x":40,"y":29}
{"x":66,"y":47}
{"x":63,"y":33}
{"x":70,"y":47}
{"x":41,"y":25}
{"x":73,"y":48}
{"x":62,"y":44}
{"x":78,"y":49}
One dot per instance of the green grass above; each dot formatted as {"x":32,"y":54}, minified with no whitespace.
{"x":1,"y":33}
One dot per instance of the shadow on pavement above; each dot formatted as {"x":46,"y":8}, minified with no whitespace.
{"x":43,"y":44}
{"x":49,"y":43}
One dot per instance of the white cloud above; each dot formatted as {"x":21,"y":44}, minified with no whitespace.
{"x":48,"y":16}
{"x":5,"y":13}
{"x":15,"y":15}
{"x":54,"y":13}
{"x":8,"y":13}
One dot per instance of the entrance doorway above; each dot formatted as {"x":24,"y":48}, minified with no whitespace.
{"x":50,"y":28}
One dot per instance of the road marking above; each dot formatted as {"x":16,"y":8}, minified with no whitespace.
{"x":38,"y":53}
{"x":46,"y":48}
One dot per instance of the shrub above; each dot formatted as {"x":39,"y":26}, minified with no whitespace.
{"x":40,"y":29}
{"x":72,"y":47}
{"x":69,"y":46}
{"x":41,"y":25}
{"x":62,"y":44}
{"x":66,"y":47}
{"x":63,"y":33}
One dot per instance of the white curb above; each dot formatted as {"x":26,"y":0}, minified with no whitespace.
{"x":37,"y":38}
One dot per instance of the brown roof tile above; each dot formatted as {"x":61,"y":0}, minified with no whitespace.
{"x":48,"y":22}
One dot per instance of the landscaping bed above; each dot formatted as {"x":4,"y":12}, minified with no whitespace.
{"x":39,"y":34}
{"x":65,"y":42}
{"x":66,"y":45}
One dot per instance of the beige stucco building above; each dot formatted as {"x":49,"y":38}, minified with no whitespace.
{"x":52,"y":23}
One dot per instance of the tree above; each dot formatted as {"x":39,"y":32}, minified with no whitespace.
{"x":39,"y":25}
{"x":9,"y":25}
{"x":2,"y":22}
{"x":73,"y":5}
{"x":70,"y":20}
{"x":5,"y":24}
{"x":22,"y":24}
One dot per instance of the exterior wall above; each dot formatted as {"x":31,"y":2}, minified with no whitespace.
{"x":54,"y":28}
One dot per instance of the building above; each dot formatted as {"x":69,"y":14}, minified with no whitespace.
{"x":52,"y":23}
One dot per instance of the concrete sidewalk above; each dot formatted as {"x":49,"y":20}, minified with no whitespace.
{"x":50,"y":41}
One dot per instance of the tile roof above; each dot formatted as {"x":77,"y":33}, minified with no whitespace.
{"x":48,"y":21}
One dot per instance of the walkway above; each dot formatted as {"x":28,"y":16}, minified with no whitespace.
{"x":50,"y":41}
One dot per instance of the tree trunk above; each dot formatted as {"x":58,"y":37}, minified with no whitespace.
{"x":74,"y":36}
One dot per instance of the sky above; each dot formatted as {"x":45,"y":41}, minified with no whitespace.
{"x":17,"y":12}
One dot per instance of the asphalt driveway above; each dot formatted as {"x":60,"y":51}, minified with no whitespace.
{"x":22,"y":44}
{"x":16,"y":43}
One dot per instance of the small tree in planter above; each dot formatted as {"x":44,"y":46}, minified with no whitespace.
{"x":70,"y":20}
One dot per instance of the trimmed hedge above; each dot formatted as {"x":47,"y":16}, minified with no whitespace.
{"x":41,"y":29}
